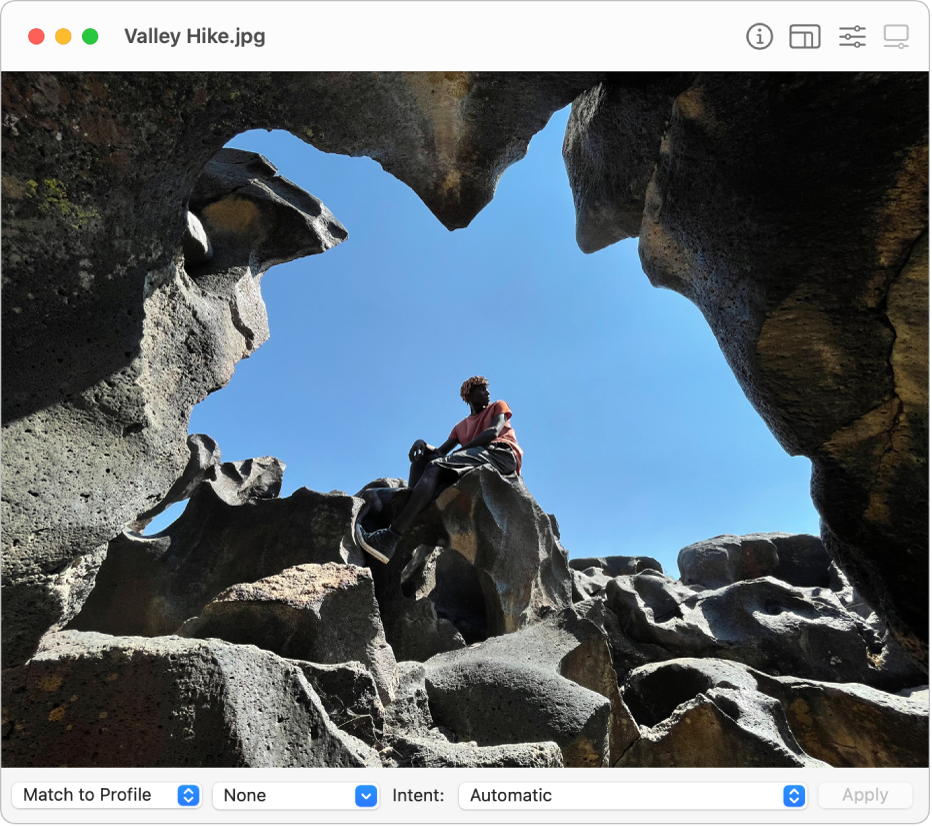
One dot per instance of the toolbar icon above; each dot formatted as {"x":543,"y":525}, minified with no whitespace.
{"x":794,"y":797}
{"x":805,"y":36}
{"x":851,"y":36}
{"x":759,"y":36}
{"x":896,"y":37}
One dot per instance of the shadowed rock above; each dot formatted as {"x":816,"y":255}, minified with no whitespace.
{"x":205,"y":455}
{"x":764,"y":623}
{"x":842,"y":724}
{"x":151,"y":585}
{"x":592,"y":573}
{"x":613,"y":566}
{"x":99,"y":701}
{"x":445,"y":578}
{"x":321,"y":613}
{"x":797,"y":559}
{"x":828,"y":335}
{"x":565,"y":644}
{"x":494,"y":703}
{"x":498,"y":528}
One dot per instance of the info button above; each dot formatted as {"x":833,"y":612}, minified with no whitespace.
{"x":866,"y":796}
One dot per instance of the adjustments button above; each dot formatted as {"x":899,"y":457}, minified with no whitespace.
{"x":367,"y":797}
{"x":189,"y":795}
{"x":794,"y":796}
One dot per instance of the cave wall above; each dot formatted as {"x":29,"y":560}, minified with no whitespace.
{"x":791,"y":209}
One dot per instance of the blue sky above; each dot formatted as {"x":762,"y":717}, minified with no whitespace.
{"x":635,"y":432}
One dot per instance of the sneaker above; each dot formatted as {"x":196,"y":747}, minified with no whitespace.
{"x":381,"y":544}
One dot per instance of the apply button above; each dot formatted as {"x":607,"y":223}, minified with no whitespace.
{"x":866,"y":795}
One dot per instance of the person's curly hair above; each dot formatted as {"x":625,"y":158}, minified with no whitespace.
{"x":470,"y":383}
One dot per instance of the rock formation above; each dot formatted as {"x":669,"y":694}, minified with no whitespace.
{"x":739,"y":187}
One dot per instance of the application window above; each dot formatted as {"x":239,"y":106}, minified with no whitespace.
{"x":394,"y":492}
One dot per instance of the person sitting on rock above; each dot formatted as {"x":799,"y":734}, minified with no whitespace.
{"x":487,"y":439}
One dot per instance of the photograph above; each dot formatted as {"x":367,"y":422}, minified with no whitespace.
{"x":451,"y":419}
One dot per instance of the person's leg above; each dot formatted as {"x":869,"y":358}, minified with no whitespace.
{"x":418,"y":466}
{"x":421,"y":497}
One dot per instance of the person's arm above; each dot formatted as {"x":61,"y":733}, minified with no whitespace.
{"x":421,"y":447}
{"x":490,"y":434}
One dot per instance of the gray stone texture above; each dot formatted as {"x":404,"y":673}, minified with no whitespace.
{"x":611,"y":147}
{"x":493,"y":703}
{"x":494,"y":523}
{"x":613,"y":566}
{"x":349,"y":695}
{"x":151,"y":585}
{"x":841,"y":724}
{"x":799,"y":559}
{"x":765,"y":623}
{"x":93,"y":700}
{"x":321,"y":613}
{"x":817,"y":293}
{"x":438,"y":752}
{"x":565,"y":644}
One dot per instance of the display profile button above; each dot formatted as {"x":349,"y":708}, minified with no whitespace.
{"x":367,"y":797}
{"x":189,"y":795}
{"x":794,"y":797}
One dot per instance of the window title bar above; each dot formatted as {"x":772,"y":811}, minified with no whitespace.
{"x":401,"y":35}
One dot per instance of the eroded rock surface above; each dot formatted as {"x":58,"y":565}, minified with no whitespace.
{"x":829,"y":337}
{"x":118,"y":341}
{"x":565,"y":644}
{"x":765,"y":623}
{"x":493,"y":702}
{"x":732,"y":706}
{"x":495,"y":524}
{"x":151,"y":585}
{"x":798,"y":559}
{"x":101,"y":701}
{"x":321,"y":613}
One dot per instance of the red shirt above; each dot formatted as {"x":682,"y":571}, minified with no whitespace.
{"x":467,"y":430}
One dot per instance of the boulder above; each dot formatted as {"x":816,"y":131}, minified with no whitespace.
{"x":438,"y":752}
{"x":798,"y":559}
{"x":350,"y":696}
{"x":151,"y":585}
{"x":627,"y":654}
{"x":708,"y":713}
{"x":495,"y":524}
{"x":827,"y":337}
{"x":841,"y":724}
{"x":564,"y":644}
{"x":588,"y":584}
{"x":321,"y":613}
{"x":765,"y":623}
{"x":613,"y":566}
{"x":497,"y":703}
{"x":97,"y":701}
